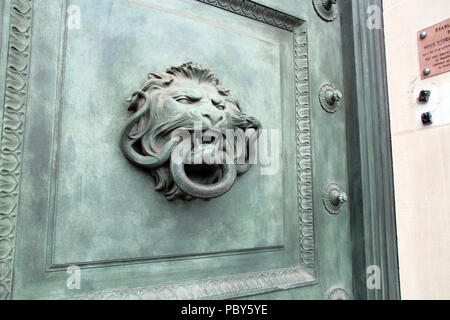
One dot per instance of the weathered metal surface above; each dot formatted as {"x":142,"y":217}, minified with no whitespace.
{"x":81,"y":202}
{"x":97,"y":210}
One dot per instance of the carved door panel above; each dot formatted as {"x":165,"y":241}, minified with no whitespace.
{"x":79,"y":193}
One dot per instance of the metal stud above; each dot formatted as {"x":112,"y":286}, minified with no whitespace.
{"x":338,"y":294}
{"x":326,"y":9}
{"x":334,"y":198}
{"x":329,"y":97}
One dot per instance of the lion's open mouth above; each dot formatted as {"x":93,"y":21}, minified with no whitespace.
{"x":204,"y":171}
{"x":199,"y":170}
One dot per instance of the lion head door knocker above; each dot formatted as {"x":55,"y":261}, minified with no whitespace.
{"x":189,"y":132}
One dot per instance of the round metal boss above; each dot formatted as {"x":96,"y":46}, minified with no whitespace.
{"x":326,"y":9}
{"x":329,"y":97}
{"x":333,"y":198}
{"x":338,"y":294}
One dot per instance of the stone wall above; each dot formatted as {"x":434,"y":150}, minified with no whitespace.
{"x":421,"y":154}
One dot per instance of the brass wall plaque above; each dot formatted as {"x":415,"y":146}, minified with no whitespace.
{"x":434,"y":49}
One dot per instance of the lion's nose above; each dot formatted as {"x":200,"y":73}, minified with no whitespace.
{"x":213,"y":118}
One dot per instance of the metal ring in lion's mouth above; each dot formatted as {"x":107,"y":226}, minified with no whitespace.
{"x":198,"y":190}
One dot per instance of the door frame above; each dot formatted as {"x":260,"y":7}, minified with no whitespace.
{"x":374,"y":240}
{"x":372,"y":207}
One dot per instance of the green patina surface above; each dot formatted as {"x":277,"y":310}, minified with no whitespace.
{"x":83,"y":203}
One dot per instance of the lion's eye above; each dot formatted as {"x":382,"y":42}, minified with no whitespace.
{"x":219,"y":104}
{"x":186,"y":100}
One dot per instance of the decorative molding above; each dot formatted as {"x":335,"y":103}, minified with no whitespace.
{"x":304,"y":147}
{"x":12,"y":135}
{"x":223,"y":287}
{"x":257,"y":12}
